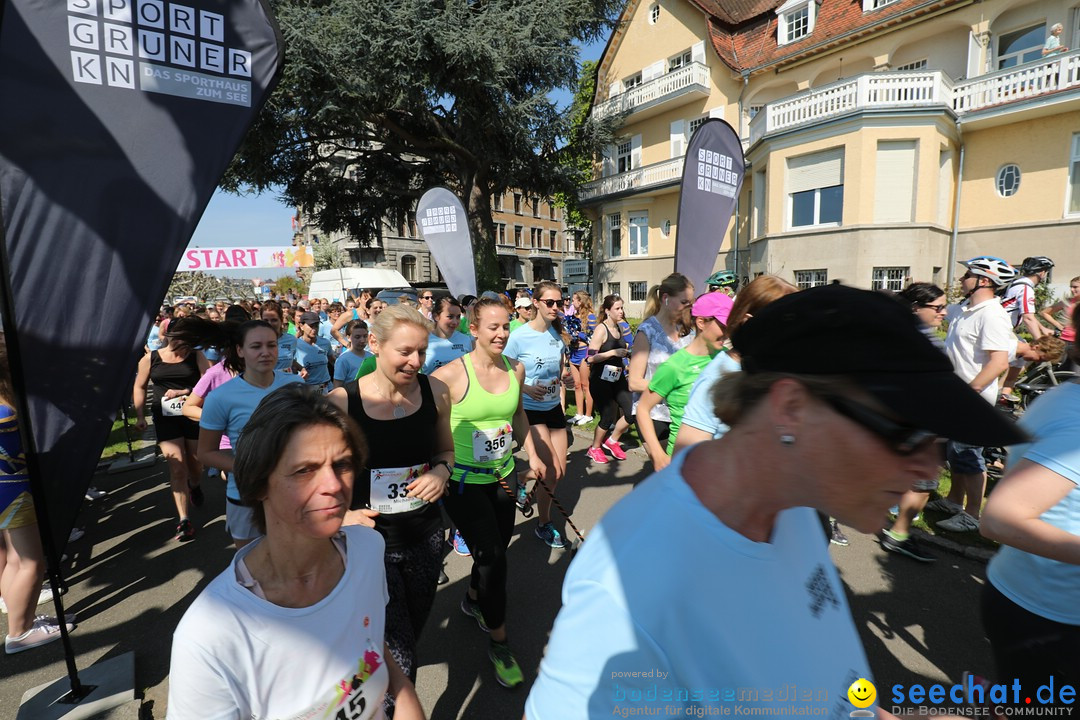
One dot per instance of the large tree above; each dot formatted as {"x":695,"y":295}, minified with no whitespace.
{"x":381,"y":99}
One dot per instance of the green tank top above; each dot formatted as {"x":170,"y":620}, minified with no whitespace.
{"x":482,"y":427}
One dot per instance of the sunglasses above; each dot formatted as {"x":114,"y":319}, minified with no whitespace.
{"x":936,"y":308}
{"x":901,"y":439}
{"x":550,"y":303}
{"x":426,"y":297}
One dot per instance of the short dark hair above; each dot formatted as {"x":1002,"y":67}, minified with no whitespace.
{"x":267,"y":433}
{"x":920,"y":293}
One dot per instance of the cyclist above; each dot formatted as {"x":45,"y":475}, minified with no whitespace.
{"x":1019,"y":303}
{"x":487,"y":418}
{"x":723,"y":280}
{"x":1066,"y":306}
{"x":978,"y":344}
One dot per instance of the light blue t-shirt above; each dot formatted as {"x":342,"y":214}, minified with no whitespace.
{"x":286,"y":351}
{"x":541,"y":353}
{"x":153,"y":340}
{"x":1048,"y":588}
{"x":699,"y":408}
{"x":443,"y":351}
{"x":645,"y":624}
{"x":211,"y":354}
{"x":315,"y":358}
{"x":231,"y":404}
{"x":348,"y":365}
{"x":325,"y":329}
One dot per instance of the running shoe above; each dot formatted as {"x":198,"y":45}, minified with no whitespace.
{"x":550,"y":535}
{"x":459,"y":545}
{"x":894,"y":512}
{"x":472,"y":608}
{"x":443,"y":578}
{"x":522,"y":496}
{"x":960,"y":522}
{"x":908,"y":546}
{"x":597,"y":455}
{"x":615,"y":449}
{"x":507,"y":671}
{"x":185,"y":530}
{"x":197,"y":496}
{"x":944,"y":505}
{"x":837,"y":537}
{"x":41,"y":633}
{"x":583,"y":420}
{"x":92,"y":493}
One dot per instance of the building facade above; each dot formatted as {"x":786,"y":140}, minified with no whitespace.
{"x":532,"y":242}
{"x":884,"y":139}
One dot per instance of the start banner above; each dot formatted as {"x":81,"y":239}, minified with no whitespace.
{"x":243,"y":257}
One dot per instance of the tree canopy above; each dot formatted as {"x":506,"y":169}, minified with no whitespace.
{"x":382,"y":99}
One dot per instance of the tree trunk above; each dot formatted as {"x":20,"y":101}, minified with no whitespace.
{"x":482,"y":230}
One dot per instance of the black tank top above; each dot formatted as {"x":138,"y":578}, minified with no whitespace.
{"x":613,"y":342}
{"x":394,"y":444}
{"x":172,"y":376}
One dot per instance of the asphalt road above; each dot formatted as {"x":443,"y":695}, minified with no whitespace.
{"x":130,"y":584}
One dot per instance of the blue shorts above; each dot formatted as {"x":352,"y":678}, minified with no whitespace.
{"x":965,"y":459}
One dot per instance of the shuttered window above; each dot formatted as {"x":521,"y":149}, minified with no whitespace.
{"x":815,"y":188}
{"x":894,"y":190}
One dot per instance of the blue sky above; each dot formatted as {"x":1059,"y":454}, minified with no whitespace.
{"x":264,"y":220}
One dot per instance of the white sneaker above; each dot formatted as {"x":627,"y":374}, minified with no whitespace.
{"x":961,"y":522}
{"x":944,"y":505}
{"x":43,"y":597}
{"x":42,"y":633}
{"x":92,"y":493}
{"x":76,"y":533}
{"x":583,"y":419}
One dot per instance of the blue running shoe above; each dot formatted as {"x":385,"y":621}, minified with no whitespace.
{"x":459,"y":545}
{"x":550,"y":535}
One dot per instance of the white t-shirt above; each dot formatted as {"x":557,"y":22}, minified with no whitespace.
{"x":973,"y":333}
{"x":1019,"y":300}
{"x":238,"y":657}
{"x":697,"y":615}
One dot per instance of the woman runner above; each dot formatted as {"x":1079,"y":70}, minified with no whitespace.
{"x":540,"y":348}
{"x":175,"y":370}
{"x":486,"y":420}
{"x":610,"y":391}
{"x":445,"y":344}
{"x":405,"y":417}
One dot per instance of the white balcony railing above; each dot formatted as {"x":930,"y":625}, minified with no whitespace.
{"x":694,"y":75}
{"x":917,"y":89}
{"x":655,"y":175}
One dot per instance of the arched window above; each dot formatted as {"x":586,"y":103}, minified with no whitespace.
{"x":408,"y":267}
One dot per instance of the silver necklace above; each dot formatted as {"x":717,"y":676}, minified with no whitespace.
{"x":399,"y":411}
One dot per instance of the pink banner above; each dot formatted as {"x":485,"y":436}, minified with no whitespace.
{"x":245,"y":258}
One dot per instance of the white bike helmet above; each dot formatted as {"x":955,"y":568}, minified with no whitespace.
{"x":997,"y":270}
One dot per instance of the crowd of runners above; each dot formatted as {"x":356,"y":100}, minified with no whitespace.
{"x":357,"y":438}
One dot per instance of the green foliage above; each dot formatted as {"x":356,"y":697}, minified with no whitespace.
{"x":288,"y":282}
{"x":382,"y":99}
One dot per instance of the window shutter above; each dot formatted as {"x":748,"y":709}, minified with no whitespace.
{"x":717,"y":112}
{"x":895,"y":182}
{"x":635,"y":152}
{"x":818,"y":170}
{"x":653,"y":71}
{"x":677,"y":139}
{"x":608,"y":163}
{"x":697,"y":52}
{"x":615,"y":89}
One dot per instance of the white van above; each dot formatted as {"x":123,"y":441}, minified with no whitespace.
{"x":337,"y":285}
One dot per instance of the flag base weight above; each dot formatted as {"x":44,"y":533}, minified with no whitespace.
{"x":144,"y":458}
{"x":111,"y":684}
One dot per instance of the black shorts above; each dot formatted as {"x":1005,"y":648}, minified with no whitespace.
{"x":552,"y":417}
{"x":174,"y":427}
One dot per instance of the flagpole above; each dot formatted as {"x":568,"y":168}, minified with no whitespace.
{"x":33,"y":466}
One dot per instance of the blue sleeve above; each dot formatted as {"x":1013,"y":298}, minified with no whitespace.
{"x":215,"y":415}
{"x":512,"y":349}
{"x":1056,"y":449}
{"x":699,"y":408}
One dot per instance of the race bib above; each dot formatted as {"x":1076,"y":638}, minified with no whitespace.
{"x":551,"y":392}
{"x":389,"y":488}
{"x":611,"y":373}
{"x":173,"y":407}
{"x":494,"y":444}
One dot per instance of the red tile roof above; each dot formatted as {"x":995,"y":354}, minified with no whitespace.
{"x":743,"y":32}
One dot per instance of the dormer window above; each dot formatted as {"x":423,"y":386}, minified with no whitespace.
{"x":795,"y":20}
{"x":869,"y":5}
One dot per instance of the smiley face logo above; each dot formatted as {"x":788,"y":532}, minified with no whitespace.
{"x":862,"y":693}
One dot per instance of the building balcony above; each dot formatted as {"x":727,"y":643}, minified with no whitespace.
{"x":659,"y":94}
{"x":1001,"y":91}
{"x":539,"y":252}
{"x":655,"y":176}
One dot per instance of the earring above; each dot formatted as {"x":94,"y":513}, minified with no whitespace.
{"x":787,"y":440}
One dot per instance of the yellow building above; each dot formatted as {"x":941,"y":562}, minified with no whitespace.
{"x":884,"y":139}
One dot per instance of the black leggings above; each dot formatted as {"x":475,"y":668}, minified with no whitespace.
{"x":609,"y":398}
{"x":1028,"y":646}
{"x":484,"y":515}
{"x":412,"y":576}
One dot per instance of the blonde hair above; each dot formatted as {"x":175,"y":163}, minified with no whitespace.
{"x":584,"y":304}
{"x":672,"y":284}
{"x":759,"y":293}
{"x":392,"y":316}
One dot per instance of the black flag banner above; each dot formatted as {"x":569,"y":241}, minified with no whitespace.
{"x":120,"y":118}
{"x":445,"y":229}
{"x":712,"y":179}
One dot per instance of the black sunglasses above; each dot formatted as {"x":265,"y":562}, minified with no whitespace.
{"x":901,"y":439}
{"x":550,"y":303}
{"x":935,"y":308}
